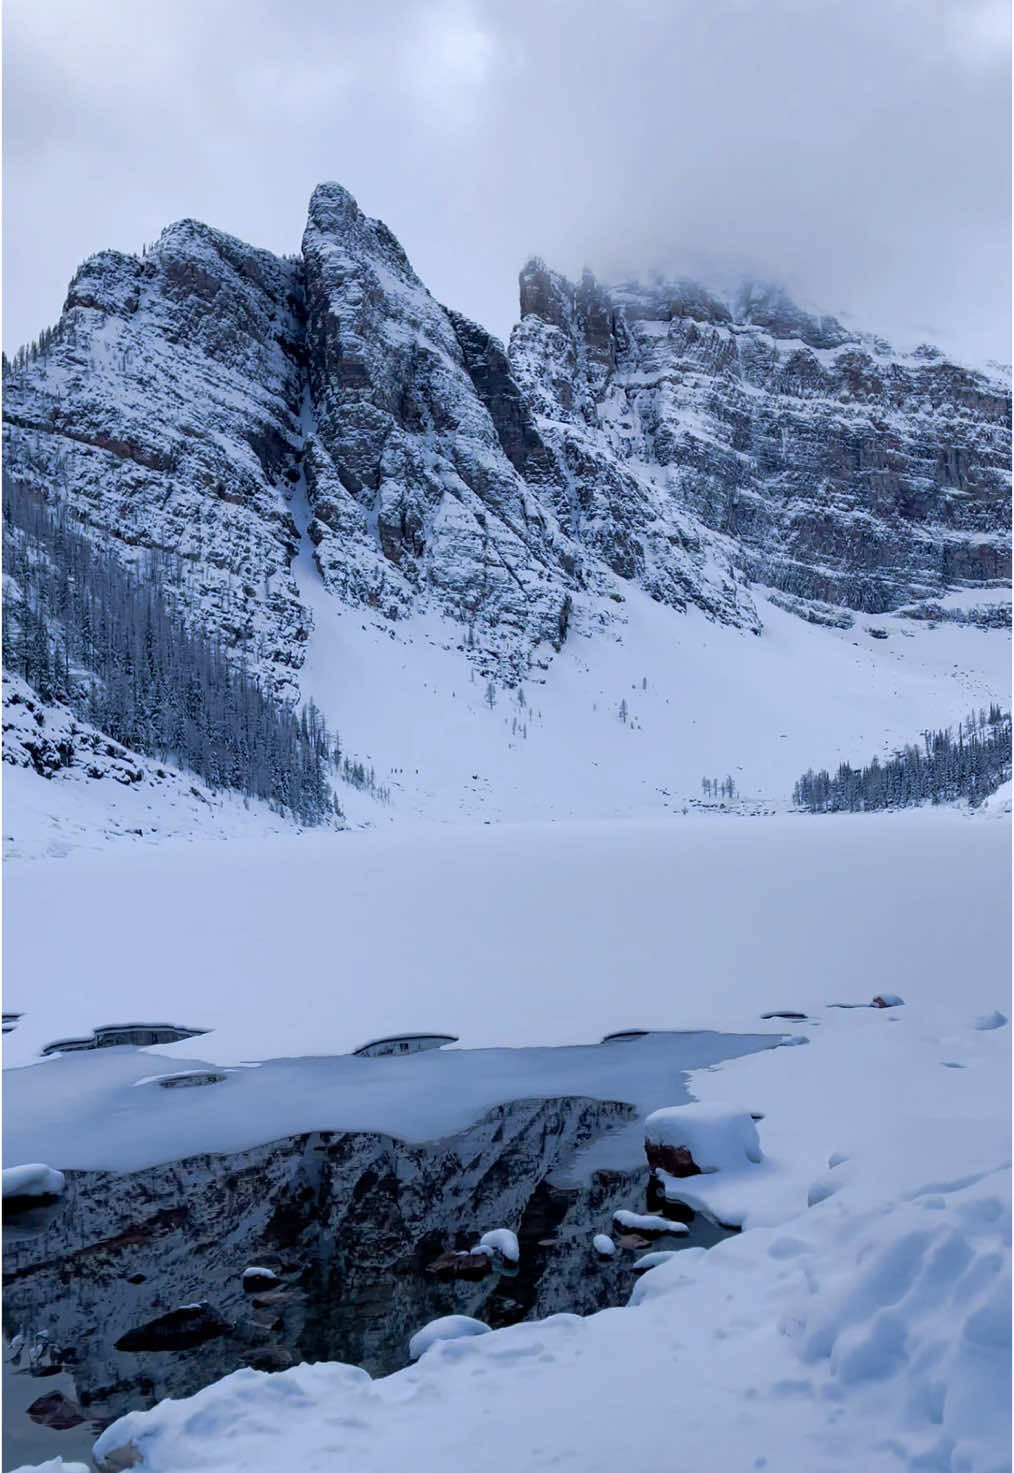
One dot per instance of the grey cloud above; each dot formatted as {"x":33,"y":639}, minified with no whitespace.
{"x":857,"y":151}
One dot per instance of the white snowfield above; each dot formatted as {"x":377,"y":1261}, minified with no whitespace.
{"x":511,"y":935}
{"x":698,"y":699}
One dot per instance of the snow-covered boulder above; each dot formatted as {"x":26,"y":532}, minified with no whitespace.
{"x":651,"y":1223}
{"x":500,"y":1241}
{"x":449,"y":1327}
{"x":888,"y":1000}
{"x":686,"y":1140}
{"x":256,"y":1279}
{"x":33,"y":1180}
{"x":603,"y":1245}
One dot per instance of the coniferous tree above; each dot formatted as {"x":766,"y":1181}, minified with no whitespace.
{"x":106,"y":640}
{"x":967,"y":764}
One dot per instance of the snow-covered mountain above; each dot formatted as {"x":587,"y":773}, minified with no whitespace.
{"x":663,"y":535}
{"x":210,"y":400}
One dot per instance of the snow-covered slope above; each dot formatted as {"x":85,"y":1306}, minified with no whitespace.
{"x":67,"y":786}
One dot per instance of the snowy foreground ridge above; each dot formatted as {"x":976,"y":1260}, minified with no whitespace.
{"x":861,"y":1318}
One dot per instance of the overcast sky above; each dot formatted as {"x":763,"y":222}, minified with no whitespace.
{"x":857,"y":150}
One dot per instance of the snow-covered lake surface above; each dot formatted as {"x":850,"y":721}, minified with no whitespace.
{"x":506,"y":936}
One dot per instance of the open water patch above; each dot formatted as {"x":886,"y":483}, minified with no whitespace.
{"x":138,"y":1286}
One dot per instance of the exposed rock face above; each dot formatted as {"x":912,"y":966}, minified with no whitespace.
{"x":675,"y":1160}
{"x":166,"y":412}
{"x":191,"y":400}
{"x":569,"y":354}
{"x":813,"y":460}
{"x":346,"y":1223}
{"x":414,"y":496}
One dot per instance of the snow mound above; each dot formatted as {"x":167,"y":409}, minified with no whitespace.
{"x":718,"y":1137}
{"x":500,"y":1240}
{"x":653,"y":1260}
{"x":604,"y":1245}
{"x":32,"y":1180}
{"x":448,"y":1327}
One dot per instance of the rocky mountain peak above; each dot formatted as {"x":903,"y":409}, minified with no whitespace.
{"x":335,"y":221}
{"x":208,"y":399}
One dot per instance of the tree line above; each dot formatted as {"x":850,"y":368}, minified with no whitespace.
{"x":967,"y":763}
{"x":105,"y":640}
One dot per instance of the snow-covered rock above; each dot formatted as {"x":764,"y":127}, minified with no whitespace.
{"x":447,"y":1327}
{"x":686,"y":1140}
{"x":603,"y":1245}
{"x":256,"y":1279}
{"x":503,"y":1242}
{"x":414,"y":499}
{"x":647,"y":1222}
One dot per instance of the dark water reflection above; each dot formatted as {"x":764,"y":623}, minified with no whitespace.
{"x":349,"y":1224}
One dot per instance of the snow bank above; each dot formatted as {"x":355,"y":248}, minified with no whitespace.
{"x":449,"y":1327}
{"x":32,"y":1180}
